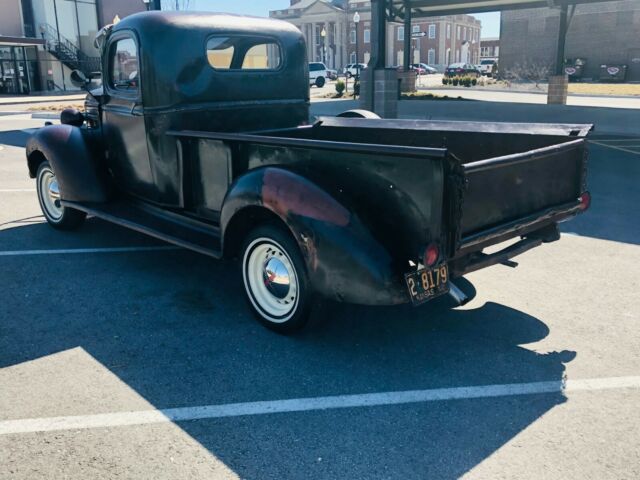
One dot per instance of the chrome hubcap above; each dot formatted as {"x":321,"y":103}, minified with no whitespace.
{"x":50,"y":195}
{"x":270,"y":279}
{"x":276,"y":277}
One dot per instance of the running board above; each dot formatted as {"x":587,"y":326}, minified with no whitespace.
{"x":168,"y":226}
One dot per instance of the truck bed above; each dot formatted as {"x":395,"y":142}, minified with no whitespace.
{"x":468,"y":184}
{"x":512,"y":170}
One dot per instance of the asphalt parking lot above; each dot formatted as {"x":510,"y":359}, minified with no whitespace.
{"x":122,"y":358}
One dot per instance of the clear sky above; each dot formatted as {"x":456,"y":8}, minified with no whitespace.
{"x":490,"y":21}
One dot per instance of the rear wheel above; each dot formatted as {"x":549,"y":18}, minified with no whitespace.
{"x":320,"y":81}
{"x":56,"y":214}
{"x":275,"y":279}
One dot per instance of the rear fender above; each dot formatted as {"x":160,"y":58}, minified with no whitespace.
{"x":344,"y":261}
{"x":73,"y":153}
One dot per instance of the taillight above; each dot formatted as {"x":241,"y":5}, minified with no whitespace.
{"x":585,"y":201}
{"x":431,"y":255}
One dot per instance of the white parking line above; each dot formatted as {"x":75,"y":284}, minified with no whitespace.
{"x":145,"y":417}
{"x":614,"y":147}
{"x":65,"y":251}
{"x":13,"y":190}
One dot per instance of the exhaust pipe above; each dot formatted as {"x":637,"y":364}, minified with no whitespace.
{"x":458,"y":295}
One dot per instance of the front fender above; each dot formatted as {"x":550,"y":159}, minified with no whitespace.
{"x":72,"y":153}
{"x":344,"y":261}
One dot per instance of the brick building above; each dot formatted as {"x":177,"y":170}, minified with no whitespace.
{"x":602,"y":33}
{"x":490,"y":48}
{"x":447,"y":39}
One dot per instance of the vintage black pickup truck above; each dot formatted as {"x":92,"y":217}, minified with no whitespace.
{"x":200,"y":136}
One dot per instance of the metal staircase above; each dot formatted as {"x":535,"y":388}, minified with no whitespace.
{"x":67,"y":52}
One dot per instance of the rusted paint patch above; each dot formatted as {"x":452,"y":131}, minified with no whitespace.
{"x":288,"y":194}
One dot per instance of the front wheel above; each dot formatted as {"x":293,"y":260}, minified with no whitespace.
{"x":320,"y":81}
{"x":275,"y":279}
{"x":56,"y":214}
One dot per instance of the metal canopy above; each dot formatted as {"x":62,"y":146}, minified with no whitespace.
{"x":383,"y":11}
{"x":432,"y":8}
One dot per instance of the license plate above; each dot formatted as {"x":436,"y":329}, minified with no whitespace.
{"x":427,"y":283}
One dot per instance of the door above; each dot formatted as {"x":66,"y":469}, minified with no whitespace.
{"x":124,"y":122}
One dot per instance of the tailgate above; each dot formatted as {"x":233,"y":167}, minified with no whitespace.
{"x":506,"y":192}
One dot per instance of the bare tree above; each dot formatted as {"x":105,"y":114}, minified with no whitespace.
{"x":534,"y":72}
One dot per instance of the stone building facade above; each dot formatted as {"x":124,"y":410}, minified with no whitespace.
{"x":41,"y":41}
{"x":447,"y":39}
{"x":602,"y":33}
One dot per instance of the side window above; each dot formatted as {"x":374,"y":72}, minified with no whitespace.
{"x":243,"y":53}
{"x":124,"y":66}
{"x":220,"y":52}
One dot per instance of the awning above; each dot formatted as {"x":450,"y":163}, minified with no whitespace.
{"x":20,"y":41}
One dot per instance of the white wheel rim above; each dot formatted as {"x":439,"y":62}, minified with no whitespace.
{"x":50,"y":195}
{"x":271,"y":280}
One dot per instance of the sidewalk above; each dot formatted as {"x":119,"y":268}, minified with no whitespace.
{"x":26,"y":99}
{"x":477,"y":93}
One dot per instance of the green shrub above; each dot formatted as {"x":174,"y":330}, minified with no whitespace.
{"x":340,"y":87}
{"x":445,"y":80}
{"x":466,"y":81}
{"x":474,"y":81}
{"x":455,"y":81}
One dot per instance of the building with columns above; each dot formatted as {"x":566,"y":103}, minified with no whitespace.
{"x":446,"y":40}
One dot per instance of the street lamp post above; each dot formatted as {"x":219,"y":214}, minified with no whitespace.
{"x":323,"y":35}
{"x":356,"y":21}
{"x":152,"y":4}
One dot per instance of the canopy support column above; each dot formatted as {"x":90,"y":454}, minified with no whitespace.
{"x":407,"y":36}
{"x":559,"y":82}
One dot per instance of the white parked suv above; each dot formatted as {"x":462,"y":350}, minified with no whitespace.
{"x":487,"y":66}
{"x":317,"y":74}
{"x":351,"y":70}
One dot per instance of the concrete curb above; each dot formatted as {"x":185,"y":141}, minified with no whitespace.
{"x":46,"y":116}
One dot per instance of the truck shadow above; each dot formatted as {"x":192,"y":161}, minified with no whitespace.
{"x":173,"y":326}
{"x":612,"y":180}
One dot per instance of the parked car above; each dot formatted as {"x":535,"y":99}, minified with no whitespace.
{"x":351,"y":70}
{"x":317,"y":74}
{"x":462,"y":70}
{"x":488,"y":67}
{"x":423,"y":69}
{"x":332,"y":74}
{"x":221,"y":159}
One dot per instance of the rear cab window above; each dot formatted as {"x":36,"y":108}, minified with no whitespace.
{"x":124,"y":66}
{"x":239,"y":52}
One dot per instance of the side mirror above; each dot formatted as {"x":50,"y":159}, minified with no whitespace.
{"x":79,"y":79}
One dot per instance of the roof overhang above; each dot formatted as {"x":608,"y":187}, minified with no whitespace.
{"x":434,"y":8}
{"x":20,"y":41}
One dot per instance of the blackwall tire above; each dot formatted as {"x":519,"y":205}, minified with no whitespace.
{"x":57,"y":215}
{"x":275,"y":279}
{"x":320,"y":81}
